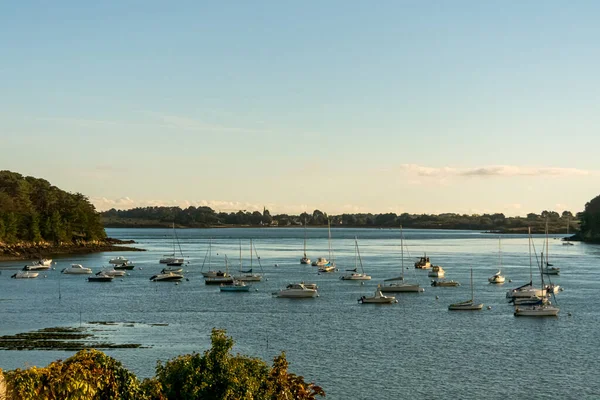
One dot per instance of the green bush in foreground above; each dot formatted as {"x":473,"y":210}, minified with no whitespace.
{"x":215,"y":374}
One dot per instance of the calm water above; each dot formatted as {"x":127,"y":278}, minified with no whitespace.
{"x":415,"y":348}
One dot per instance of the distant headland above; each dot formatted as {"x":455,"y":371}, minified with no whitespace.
{"x":38,"y":220}
{"x":206,"y":217}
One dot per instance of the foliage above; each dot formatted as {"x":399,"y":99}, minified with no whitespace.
{"x":89,"y":374}
{"x":590,"y":221}
{"x":215,"y":374}
{"x":205,"y":216}
{"x":33,"y":210}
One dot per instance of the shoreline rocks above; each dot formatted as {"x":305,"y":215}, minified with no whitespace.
{"x":30,"y":251}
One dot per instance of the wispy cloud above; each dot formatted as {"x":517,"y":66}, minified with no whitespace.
{"x":493,"y":170}
{"x":192,"y":124}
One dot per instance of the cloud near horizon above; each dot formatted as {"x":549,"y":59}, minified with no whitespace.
{"x":493,"y":170}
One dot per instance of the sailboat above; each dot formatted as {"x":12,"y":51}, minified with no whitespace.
{"x":330,"y":265}
{"x":171,"y":259}
{"x":221,"y":277}
{"x":305,"y":259}
{"x":527,"y":290}
{"x":548,"y":269}
{"x":247,"y":275}
{"x":541,"y":309}
{"x":354,"y":275}
{"x":210,"y":273}
{"x":398,"y":284}
{"x":567,"y":241}
{"x":497,"y":277}
{"x":468,"y":305}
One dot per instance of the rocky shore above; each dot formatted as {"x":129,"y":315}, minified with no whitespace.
{"x":30,"y":251}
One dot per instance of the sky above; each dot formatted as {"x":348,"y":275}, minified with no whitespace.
{"x":389,"y":106}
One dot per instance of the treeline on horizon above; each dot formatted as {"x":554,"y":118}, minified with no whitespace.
{"x":198,"y":217}
{"x":33,"y":210}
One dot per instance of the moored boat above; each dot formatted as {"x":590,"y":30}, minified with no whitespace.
{"x":235,"y":286}
{"x":24,"y":274}
{"x":100,"y":277}
{"x":444,"y":283}
{"x":423,"y":263}
{"x":126,"y":266}
{"x":467,"y":305}
{"x":542,"y":310}
{"x":378,"y":298}
{"x":118,"y":260}
{"x":76,"y":269}
{"x":112,"y":272}
{"x":436,"y":272}
{"x":297,"y":291}
{"x":167,"y":277}
{"x":354,"y":275}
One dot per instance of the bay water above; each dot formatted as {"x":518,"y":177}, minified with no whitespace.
{"x":413,"y":349}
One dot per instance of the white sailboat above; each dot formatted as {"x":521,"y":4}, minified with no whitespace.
{"x":220,"y":277}
{"x":541,"y":309}
{"x":398,"y":285}
{"x":330,"y":266}
{"x":247,"y":275}
{"x":354,"y":275}
{"x":497,"y":278}
{"x":567,"y":241}
{"x":527,"y":290}
{"x":548,"y":268}
{"x":171,"y":259}
{"x":210,"y":273}
{"x":305,"y":259}
{"x":468,"y":305}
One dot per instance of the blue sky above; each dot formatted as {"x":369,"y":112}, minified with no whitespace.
{"x":403,"y":106}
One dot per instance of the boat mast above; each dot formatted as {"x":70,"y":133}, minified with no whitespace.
{"x":331,"y":260}
{"x":240,"y":255}
{"x":304,"y":237}
{"x":173,"y":239}
{"x":472,"y":295}
{"x":530,"y":260}
{"x":547,"y":257}
{"x":402,"y":251}
{"x":355,"y":253}
{"x":209,"y":252}
{"x":500,"y":251}
{"x":251,"y":254}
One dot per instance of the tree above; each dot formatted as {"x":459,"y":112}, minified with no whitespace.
{"x":567,"y":214}
{"x":89,"y":374}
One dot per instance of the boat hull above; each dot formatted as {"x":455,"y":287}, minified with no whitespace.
{"x":356,"y":277}
{"x":25,"y":275}
{"x":402,"y":289}
{"x":471,"y":307}
{"x":218,"y":281}
{"x":100,"y":279}
{"x":380,"y":300}
{"x":227,"y":288}
{"x":171,"y":278}
{"x":124,"y":267}
{"x":306,"y":294}
{"x":536,"y":311}
{"x":248,"y":278}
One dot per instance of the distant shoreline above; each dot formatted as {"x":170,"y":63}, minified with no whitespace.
{"x":516,"y":231}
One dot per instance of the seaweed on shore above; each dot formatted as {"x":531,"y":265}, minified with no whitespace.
{"x":58,"y":338}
